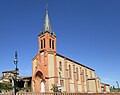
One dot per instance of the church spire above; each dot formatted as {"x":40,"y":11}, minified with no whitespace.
{"x":47,"y":25}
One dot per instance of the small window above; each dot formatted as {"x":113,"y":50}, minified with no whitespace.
{"x":77,"y":76}
{"x":86,"y":71}
{"x":90,"y":74}
{"x":98,"y":84}
{"x":60,"y":66}
{"x":62,"y":83}
{"x":69,"y":71}
{"x":73,"y":68}
{"x":60,"y":74}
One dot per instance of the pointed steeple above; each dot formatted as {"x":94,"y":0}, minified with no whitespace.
{"x":47,"y":25}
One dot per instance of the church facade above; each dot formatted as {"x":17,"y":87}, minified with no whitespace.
{"x":49,"y":67}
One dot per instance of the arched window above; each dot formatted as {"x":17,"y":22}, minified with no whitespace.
{"x":80,"y":70}
{"x":52,"y":44}
{"x":73,"y":68}
{"x":41,"y":44}
{"x":60,"y":74}
{"x":83,"y":75}
{"x":86,"y":72}
{"x":90,"y":74}
{"x":98,"y":84}
{"x":69,"y":71}
{"x":77,"y":76}
{"x":44,"y":42}
{"x":60,"y":66}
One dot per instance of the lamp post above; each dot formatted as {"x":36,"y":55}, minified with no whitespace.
{"x":59,"y":77}
{"x":16,"y":72}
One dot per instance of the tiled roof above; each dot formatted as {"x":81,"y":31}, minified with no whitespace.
{"x":10,"y":71}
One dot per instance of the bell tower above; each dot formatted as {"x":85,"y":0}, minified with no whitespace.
{"x":47,"y":38}
{"x":45,"y":60}
{"x":44,"y":63}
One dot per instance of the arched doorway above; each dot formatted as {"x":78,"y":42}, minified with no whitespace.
{"x":42,"y":82}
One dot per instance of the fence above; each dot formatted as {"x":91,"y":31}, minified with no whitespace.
{"x":31,"y":93}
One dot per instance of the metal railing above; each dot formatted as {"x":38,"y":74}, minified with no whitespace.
{"x":48,"y":93}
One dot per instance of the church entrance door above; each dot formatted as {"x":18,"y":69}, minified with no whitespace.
{"x":42,"y":86}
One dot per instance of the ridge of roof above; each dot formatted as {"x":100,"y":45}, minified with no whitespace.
{"x":75,"y":62}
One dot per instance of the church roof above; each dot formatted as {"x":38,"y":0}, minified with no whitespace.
{"x":47,"y":26}
{"x":10,"y":71}
{"x":75,"y":61}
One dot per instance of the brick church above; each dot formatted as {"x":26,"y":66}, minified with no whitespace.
{"x":49,"y":67}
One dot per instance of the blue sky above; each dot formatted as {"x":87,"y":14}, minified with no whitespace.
{"x":88,"y":31}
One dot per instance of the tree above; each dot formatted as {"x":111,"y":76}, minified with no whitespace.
{"x":55,"y":88}
{"x":5,"y":86}
{"x":113,"y":87}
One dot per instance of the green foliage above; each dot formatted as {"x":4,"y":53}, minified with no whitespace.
{"x":55,"y":88}
{"x":5,"y":86}
{"x":113,"y":89}
{"x":27,"y":89}
{"x":8,"y":87}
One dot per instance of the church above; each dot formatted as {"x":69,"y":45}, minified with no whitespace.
{"x":50,"y":68}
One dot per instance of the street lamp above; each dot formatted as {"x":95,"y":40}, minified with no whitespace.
{"x":16,"y":72}
{"x":59,"y":84}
